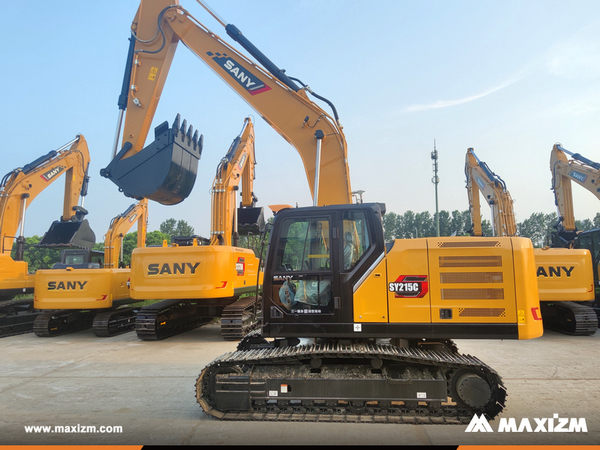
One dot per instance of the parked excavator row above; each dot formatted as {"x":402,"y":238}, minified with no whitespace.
{"x":381,"y":317}
{"x":87,"y":288}
{"x":18,"y":189}
{"x":565,"y":280}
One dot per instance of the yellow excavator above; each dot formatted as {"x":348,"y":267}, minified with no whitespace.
{"x":18,"y":189}
{"x":565,"y":280}
{"x":87,"y":288}
{"x":377,"y":320}
{"x":202,"y":282}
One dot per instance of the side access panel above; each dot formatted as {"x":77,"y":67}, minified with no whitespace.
{"x":408,"y":293}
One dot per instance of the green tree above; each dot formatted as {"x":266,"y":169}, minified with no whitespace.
{"x":390,"y":225}
{"x":538,"y":227}
{"x":174,"y":227}
{"x":37,"y":258}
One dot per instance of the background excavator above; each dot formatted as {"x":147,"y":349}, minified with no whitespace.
{"x":87,"y":287}
{"x":564,"y":275}
{"x":382,"y":316}
{"x":202,"y":282}
{"x":586,"y":173}
{"x":18,"y":189}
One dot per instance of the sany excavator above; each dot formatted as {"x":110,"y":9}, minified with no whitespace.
{"x":18,"y":189}
{"x":564,"y":275}
{"x":379,"y":318}
{"x":202,"y":282}
{"x":83,"y":293}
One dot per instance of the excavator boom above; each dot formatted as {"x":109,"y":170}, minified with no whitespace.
{"x":22,"y":185}
{"x":156,"y":30}
{"x":582,"y":171}
{"x":481,"y":179}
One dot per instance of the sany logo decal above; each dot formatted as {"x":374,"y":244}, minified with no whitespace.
{"x":544,"y":425}
{"x":52,"y":173}
{"x":578,"y":176}
{"x":248,"y":81}
{"x":410,"y":286}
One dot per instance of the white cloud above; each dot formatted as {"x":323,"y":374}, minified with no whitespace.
{"x":577,"y":57}
{"x":447,"y":103}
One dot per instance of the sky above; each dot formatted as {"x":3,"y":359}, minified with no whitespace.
{"x":507,"y":78}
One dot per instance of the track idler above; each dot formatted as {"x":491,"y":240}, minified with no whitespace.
{"x":163,"y":171}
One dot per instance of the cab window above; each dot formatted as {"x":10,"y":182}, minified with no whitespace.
{"x":356,"y":238}
{"x":304,"y":245}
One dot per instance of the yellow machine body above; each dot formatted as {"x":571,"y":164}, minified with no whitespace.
{"x":564,"y":274}
{"x":453,"y":281}
{"x":80,"y":288}
{"x":14,"y":276}
{"x":193,"y":272}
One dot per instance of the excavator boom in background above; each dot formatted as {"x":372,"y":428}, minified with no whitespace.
{"x":87,"y":288}
{"x":584,"y":172}
{"x":18,"y":189}
{"x":565,"y":277}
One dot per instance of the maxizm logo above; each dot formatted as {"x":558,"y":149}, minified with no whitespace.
{"x":545,"y":425}
{"x":244,"y":78}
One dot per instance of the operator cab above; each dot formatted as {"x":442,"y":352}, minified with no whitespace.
{"x":80,"y":258}
{"x":316,"y":255}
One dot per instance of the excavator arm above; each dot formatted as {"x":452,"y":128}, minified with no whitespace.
{"x":584,"y":172}
{"x":237,"y":166}
{"x":119,"y":226}
{"x":156,"y":30}
{"x":21,"y":186}
{"x":481,"y":179}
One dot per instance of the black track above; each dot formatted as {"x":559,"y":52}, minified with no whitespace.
{"x":571,"y":318}
{"x":234,"y":386}
{"x":16,"y":317}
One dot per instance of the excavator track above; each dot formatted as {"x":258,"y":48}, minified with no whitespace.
{"x":349,"y":383}
{"x":112,"y":323}
{"x":62,"y":322}
{"x":169,"y":318}
{"x":16,"y":317}
{"x":239,"y":319}
{"x":571,"y":318}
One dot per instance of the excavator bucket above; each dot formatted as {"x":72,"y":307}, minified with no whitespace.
{"x":68,"y":234}
{"x":163,"y":171}
{"x":250,"y":221}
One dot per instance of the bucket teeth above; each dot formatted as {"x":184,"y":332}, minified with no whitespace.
{"x":195,"y":139}
{"x":176,"y":124}
{"x":189,"y":135}
{"x":183,"y":128}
